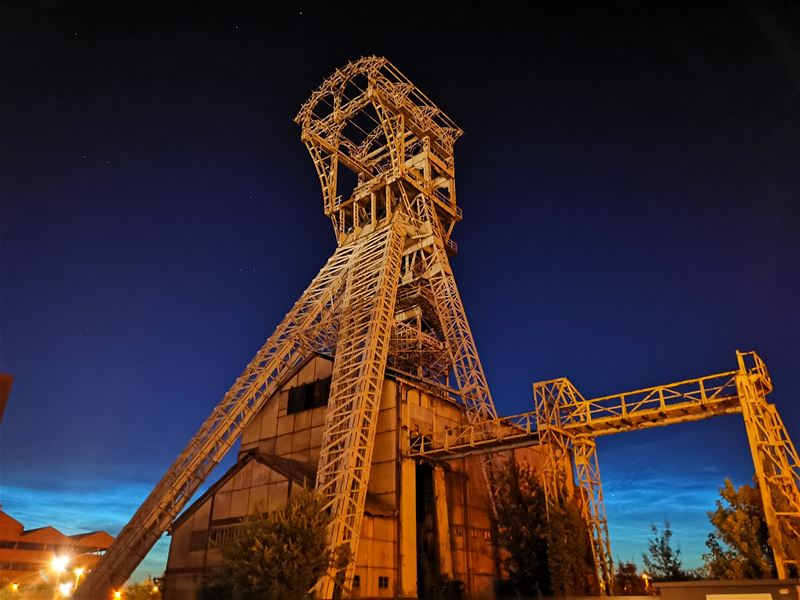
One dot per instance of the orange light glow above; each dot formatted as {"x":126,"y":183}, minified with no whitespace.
{"x":59,"y":563}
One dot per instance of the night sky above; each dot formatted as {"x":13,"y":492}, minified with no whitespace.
{"x":628,"y":174}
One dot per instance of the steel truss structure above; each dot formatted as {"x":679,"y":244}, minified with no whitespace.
{"x":565,"y":423}
{"x":387,"y":298}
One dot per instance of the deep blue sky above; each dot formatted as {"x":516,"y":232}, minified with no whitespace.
{"x":629,"y":179}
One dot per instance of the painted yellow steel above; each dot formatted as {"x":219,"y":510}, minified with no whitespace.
{"x":776,"y":461}
{"x":587,"y":474}
{"x":566,"y":423}
{"x":365,"y":327}
{"x":386,"y":299}
{"x":405,"y":313}
{"x":442,"y":523}
{"x":284,"y":351}
{"x":408,"y":529}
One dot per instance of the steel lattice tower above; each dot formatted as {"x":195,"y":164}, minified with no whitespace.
{"x":387,"y":297}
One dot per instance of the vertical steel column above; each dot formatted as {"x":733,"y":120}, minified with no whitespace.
{"x":365,"y":327}
{"x":776,"y":463}
{"x":442,"y":522}
{"x":286,"y":349}
{"x":587,"y":472}
{"x":408,"y":528}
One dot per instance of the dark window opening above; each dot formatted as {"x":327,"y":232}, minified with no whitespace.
{"x":217,"y":538}
{"x":383,"y":582}
{"x":308,"y":396}
{"x":198,"y":541}
{"x":356,"y":581}
{"x":427,"y":558}
{"x":21,"y":566}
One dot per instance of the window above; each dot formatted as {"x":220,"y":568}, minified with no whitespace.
{"x":383,"y":582}
{"x":219,"y":537}
{"x":21,"y":566}
{"x":356,"y":581}
{"x":31,"y":546}
{"x":198,"y":540}
{"x":308,"y":396}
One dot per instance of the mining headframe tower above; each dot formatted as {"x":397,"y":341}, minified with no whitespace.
{"x":386,"y":306}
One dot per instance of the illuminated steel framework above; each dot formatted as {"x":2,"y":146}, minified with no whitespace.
{"x":385,"y":299}
{"x":565,"y":423}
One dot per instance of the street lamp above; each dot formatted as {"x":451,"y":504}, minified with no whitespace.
{"x":79,"y":571}
{"x":59,"y":565}
{"x":117,"y":595}
{"x":647,"y":577}
{"x":65,"y":589}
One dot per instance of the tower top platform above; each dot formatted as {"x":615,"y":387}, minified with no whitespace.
{"x":369,"y":118}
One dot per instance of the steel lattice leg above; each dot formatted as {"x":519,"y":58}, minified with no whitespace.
{"x":365,"y":329}
{"x":777,"y":468}
{"x":286,"y":349}
{"x":587,"y":472}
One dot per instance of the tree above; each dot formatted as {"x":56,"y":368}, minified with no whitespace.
{"x":662,"y":561}
{"x":569,"y":552}
{"x":628,"y":580}
{"x":547,"y":551}
{"x":146,"y":590}
{"x":739,"y":547}
{"x":278,"y":555}
{"x":521,"y":526}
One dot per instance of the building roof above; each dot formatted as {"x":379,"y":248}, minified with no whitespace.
{"x":294,"y":470}
{"x":11,"y":529}
{"x":99,"y":539}
{"x":47,"y":534}
{"x":9,"y":525}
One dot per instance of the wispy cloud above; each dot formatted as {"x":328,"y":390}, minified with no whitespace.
{"x":83,"y":506}
{"x":642,"y":489}
{"x":639,"y":490}
{"x":82,"y":498}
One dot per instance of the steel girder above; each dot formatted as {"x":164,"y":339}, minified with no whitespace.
{"x":288,"y":347}
{"x":565,"y":423}
{"x":777,"y":465}
{"x":365,"y":328}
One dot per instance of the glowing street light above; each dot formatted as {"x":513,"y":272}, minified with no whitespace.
{"x":15,"y":587}
{"x":647,"y":577}
{"x":117,"y":595}
{"x":78,"y":574}
{"x":65,"y":589}
{"x":59,"y":564}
